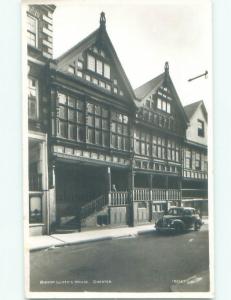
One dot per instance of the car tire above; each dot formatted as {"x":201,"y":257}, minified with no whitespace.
{"x":178,"y":228}
{"x":197,"y":226}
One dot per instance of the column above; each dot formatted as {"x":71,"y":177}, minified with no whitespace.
{"x":51,"y":203}
{"x":108,"y":184}
{"x":131,"y":177}
{"x":179,"y":180}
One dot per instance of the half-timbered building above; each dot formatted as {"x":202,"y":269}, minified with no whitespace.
{"x":100,"y":153}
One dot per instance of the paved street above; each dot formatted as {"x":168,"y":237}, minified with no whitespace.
{"x":146,"y":263}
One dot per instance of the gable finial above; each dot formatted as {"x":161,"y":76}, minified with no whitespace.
{"x":102,"y":20}
{"x":166,"y":67}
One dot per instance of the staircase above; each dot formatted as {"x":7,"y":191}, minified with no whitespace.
{"x":94,"y":213}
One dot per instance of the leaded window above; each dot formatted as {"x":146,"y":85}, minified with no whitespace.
{"x":97,"y":125}
{"x":142,"y":142}
{"x":120,"y":131}
{"x":71,"y":117}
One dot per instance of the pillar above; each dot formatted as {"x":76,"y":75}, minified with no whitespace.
{"x":51,"y":203}
{"x":131,"y":177}
{"x":108,"y":183}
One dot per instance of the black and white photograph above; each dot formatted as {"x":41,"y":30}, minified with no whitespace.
{"x":117,"y":149}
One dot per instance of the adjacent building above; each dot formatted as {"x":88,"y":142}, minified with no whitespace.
{"x":101,"y":153}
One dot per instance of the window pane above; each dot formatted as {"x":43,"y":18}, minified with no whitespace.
{"x":71,"y":131}
{"x":107,"y":71}
{"x":90,"y":120}
{"x":97,"y":137}
{"x":80,"y":104}
{"x":62,"y":112}
{"x":120,"y":142}
{"x":159,"y":103}
{"x":105,"y":124}
{"x":63,"y":129}
{"x":99,"y":67}
{"x":168,"y":108}
{"x":80,"y":118}
{"x":119,"y":128}
{"x":35,"y":209}
{"x":80,"y":133}
{"x":97,"y":122}
{"x":164,"y":105}
{"x":126,"y":143}
{"x":104,"y":113}
{"x":91,"y":63}
{"x":90,"y":107}
{"x":105,"y":138}
{"x":113,"y":140}
{"x":62,"y":98}
{"x":90,"y":135}
{"x":97,"y":110}
{"x":71,"y":102}
{"x":71,"y":115}
{"x":32,"y":108}
{"x":137,"y":146}
{"x":113,"y":127}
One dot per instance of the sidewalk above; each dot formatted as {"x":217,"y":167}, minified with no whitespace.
{"x":56,"y":240}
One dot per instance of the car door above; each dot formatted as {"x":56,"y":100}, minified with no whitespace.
{"x":187,"y":218}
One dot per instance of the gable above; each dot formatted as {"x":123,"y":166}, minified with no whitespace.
{"x":159,"y":95}
{"x":197,"y":130}
{"x":95,"y":62}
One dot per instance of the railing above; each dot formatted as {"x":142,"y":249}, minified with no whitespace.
{"x":194,"y":193}
{"x":118,"y":198}
{"x":156,"y":195}
{"x":93,"y":206}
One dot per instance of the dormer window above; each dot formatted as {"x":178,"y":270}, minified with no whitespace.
{"x":32,"y":31}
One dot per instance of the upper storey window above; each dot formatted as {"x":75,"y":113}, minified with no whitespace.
{"x":32,"y":99}
{"x":201,"y":128}
{"x":164,"y":105}
{"x":96,"y":65}
{"x":32,"y":31}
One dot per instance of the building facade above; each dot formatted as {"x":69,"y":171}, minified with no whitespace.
{"x":100,"y":153}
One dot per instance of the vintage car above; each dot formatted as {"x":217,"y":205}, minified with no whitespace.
{"x":179,"y":219}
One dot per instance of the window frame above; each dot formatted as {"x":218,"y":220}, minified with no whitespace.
{"x":31,"y":32}
{"x":200,"y":131}
{"x":36,"y":98}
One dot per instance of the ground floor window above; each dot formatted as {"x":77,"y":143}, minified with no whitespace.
{"x":35,"y":209}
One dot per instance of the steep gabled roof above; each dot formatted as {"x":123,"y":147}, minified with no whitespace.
{"x":190,"y":109}
{"x":153,"y":84}
{"x":143,"y":90}
{"x":99,"y":35}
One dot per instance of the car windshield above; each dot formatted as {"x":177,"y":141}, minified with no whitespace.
{"x":175,"y":211}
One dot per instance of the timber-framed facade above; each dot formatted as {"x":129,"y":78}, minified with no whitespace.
{"x":101,"y":153}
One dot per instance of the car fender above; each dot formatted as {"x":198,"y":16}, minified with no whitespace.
{"x":178,"y":221}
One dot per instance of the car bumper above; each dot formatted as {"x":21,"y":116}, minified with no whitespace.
{"x":164,"y":228}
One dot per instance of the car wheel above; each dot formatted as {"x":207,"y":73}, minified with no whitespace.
{"x":197,"y":226}
{"x":178,"y":228}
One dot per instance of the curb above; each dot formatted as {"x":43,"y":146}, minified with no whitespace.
{"x":92,"y":240}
